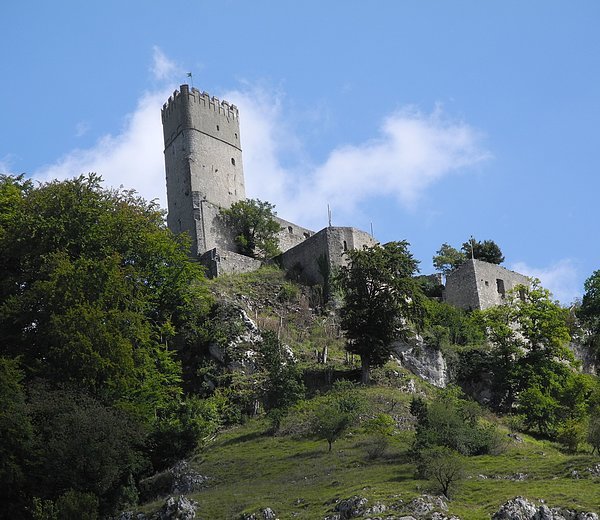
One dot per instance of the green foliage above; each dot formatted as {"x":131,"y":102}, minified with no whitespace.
{"x":181,"y":428}
{"x":380,"y":298}
{"x":80,"y":443}
{"x":444,"y":466}
{"x":93,"y":288}
{"x":589,"y":312}
{"x":446,"y":325}
{"x":447,"y":258}
{"x":16,"y":435}
{"x":255,"y":229}
{"x":453,"y":422}
{"x":74,"y":505}
{"x":283,"y":381}
{"x":488,"y":251}
{"x":593,"y":433}
{"x":380,"y":430}
{"x":326,"y":417}
{"x":530,"y":360}
{"x":571,"y":434}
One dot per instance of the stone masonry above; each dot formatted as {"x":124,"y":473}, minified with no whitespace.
{"x":203,"y":162}
{"x":480,"y":285}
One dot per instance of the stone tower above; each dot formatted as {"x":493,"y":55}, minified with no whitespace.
{"x":203,"y":161}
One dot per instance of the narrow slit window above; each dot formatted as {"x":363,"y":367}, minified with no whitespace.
{"x":233,"y":161}
{"x":500,"y":287}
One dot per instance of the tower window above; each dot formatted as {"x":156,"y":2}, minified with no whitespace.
{"x":345,"y":246}
{"x":290,"y":229}
{"x":233,"y":161}
{"x":218,"y":128}
{"x":500,"y":286}
{"x":236,"y":136}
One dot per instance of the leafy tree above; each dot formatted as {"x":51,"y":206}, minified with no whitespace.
{"x":589,"y":311}
{"x":381,"y":298}
{"x":454,"y":422}
{"x":283,"y":382}
{"x":443,"y":466}
{"x":488,"y":251}
{"x":593,"y":433}
{"x":95,"y":290}
{"x":81,"y":444}
{"x":254,"y":226}
{"x":530,"y":360}
{"x":447,"y":259}
{"x":16,"y":437}
{"x":335,"y":413}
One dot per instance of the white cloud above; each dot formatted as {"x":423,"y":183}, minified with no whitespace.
{"x":412,"y":151}
{"x":133,"y":158}
{"x":560,"y":278}
{"x":162,"y":67}
{"x":82,"y":128}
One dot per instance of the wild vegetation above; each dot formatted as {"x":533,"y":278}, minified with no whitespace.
{"x":118,"y":359}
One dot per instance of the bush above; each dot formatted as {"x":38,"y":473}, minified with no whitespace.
{"x":444,"y":467}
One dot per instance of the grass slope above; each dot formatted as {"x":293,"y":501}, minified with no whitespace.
{"x":298,"y":478}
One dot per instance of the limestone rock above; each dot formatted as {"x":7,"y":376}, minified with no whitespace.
{"x":422,"y":360}
{"x":351,"y":507}
{"x":425,"y":505}
{"x":180,"y":508}
{"x":185,"y":479}
{"x":520,"y":508}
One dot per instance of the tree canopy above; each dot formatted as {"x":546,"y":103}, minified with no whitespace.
{"x":254,"y":226}
{"x":381,"y":299}
{"x":448,"y":258}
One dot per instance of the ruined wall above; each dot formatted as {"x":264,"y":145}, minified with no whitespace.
{"x":219,"y":262}
{"x":203,"y":160}
{"x":291,"y":234}
{"x":310,"y":260}
{"x":480,"y":285}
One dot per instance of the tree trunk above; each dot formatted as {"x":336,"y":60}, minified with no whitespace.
{"x":365,"y":370}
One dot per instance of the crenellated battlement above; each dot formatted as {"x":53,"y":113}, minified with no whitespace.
{"x":201,"y":99}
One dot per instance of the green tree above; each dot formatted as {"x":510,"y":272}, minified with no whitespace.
{"x":447,"y":259}
{"x":16,"y":437}
{"x":283,"y":381}
{"x":531,"y":361}
{"x":381,"y":299}
{"x":444,"y":466}
{"x":488,"y":251}
{"x":593,"y":433}
{"x":254,"y":227}
{"x":333,"y":414}
{"x":95,"y":291}
{"x":589,"y":312}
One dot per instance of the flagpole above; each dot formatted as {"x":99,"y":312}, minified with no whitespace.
{"x":189,"y":75}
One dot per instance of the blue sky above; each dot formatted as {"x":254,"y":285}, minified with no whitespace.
{"x":430,"y":120}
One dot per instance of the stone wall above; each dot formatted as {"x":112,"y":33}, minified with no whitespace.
{"x":311,"y":260}
{"x":480,"y":285}
{"x":291,"y":234}
{"x":219,"y":262}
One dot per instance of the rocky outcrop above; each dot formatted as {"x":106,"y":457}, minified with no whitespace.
{"x":422,"y":360}
{"x":520,"y":508}
{"x":174,"y":508}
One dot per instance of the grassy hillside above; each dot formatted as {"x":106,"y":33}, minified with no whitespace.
{"x":250,"y":469}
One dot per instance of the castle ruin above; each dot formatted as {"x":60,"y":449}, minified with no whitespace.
{"x":204,"y":172}
{"x":480,"y":285}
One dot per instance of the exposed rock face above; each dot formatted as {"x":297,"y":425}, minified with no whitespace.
{"x":426,"y":362}
{"x":520,"y":508}
{"x":185,"y":479}
{"x":180,"y":508}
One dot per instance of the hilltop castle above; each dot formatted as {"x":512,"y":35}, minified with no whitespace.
{"x":204,"y":170}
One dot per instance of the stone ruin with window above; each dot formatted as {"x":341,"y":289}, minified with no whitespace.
{"x":480,"y":285}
